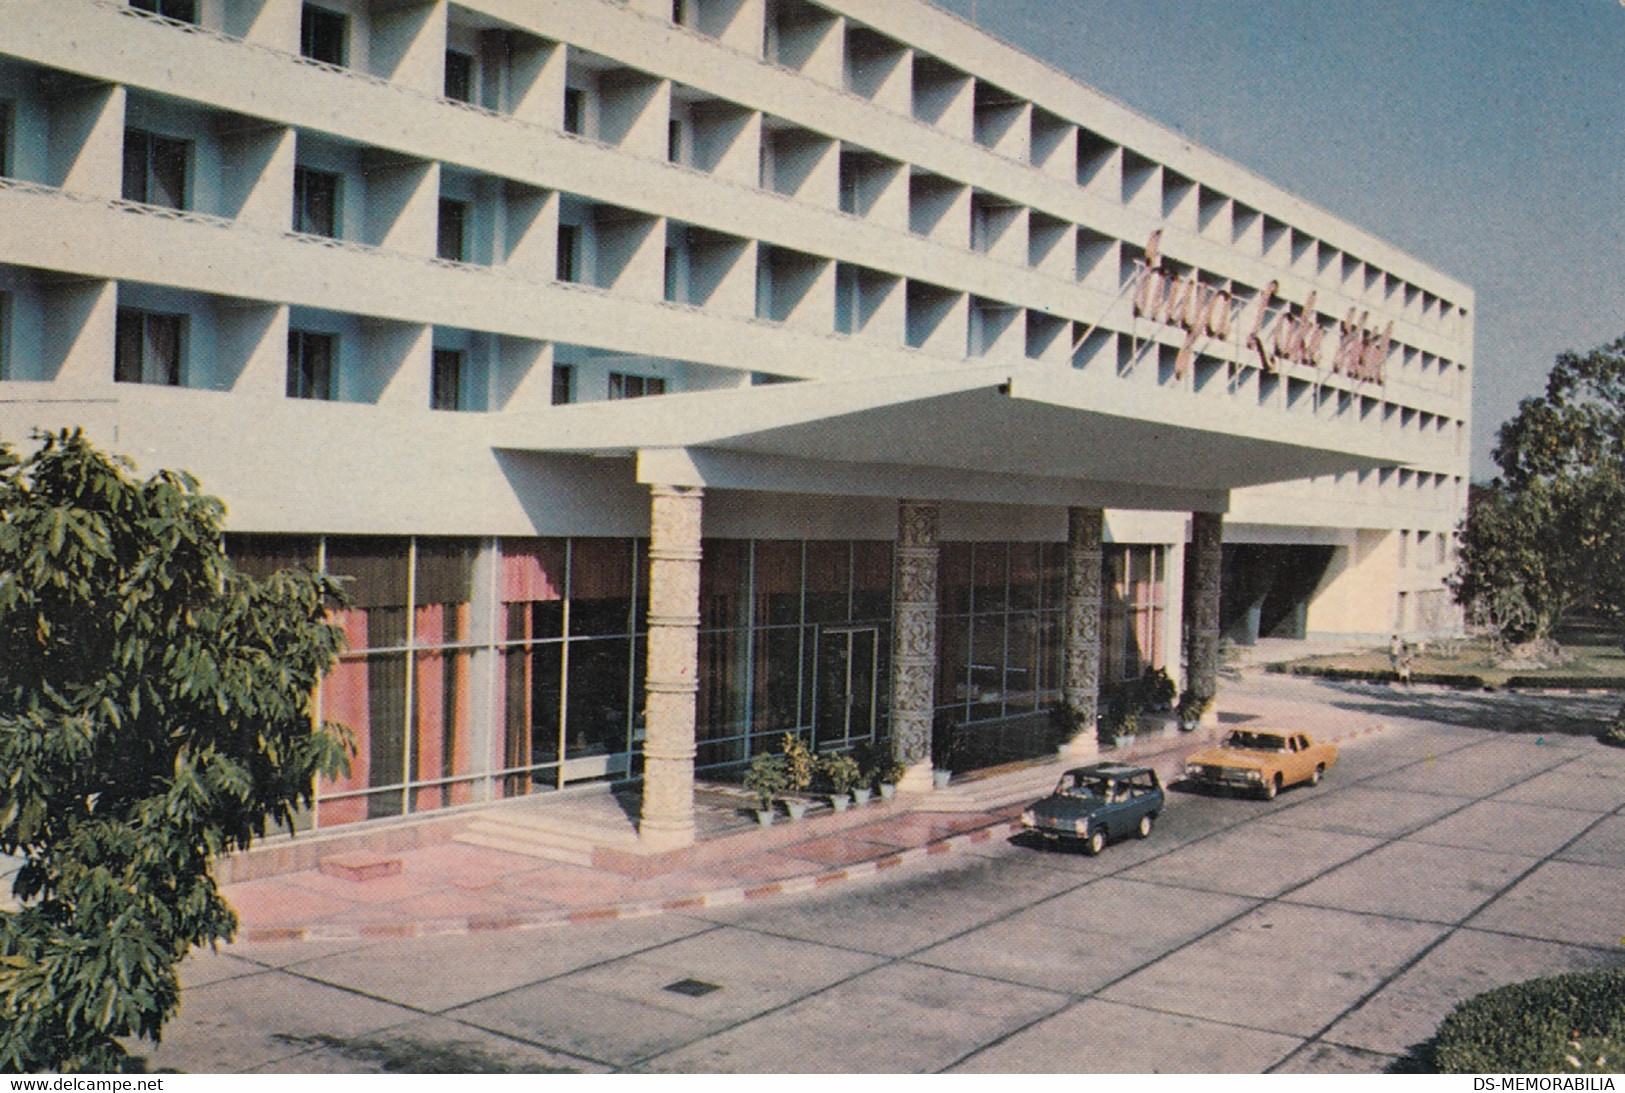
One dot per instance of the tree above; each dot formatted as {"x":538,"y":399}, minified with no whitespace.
{"x":1549,"y":534}
{"x":155,"y":711}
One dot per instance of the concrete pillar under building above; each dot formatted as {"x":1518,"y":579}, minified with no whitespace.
{"x":914,"y":641}
{"x":1081,"y":687}
{"x":671,"y":675}
{"x":1203,"y":616}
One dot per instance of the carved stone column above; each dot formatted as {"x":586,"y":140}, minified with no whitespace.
{"x":1083,"y":573}
{"x":670,"y":683}
{"x":1203,"y":596}
{"x":914,"y":641}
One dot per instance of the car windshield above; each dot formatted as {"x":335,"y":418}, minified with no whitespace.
{"x":1073,"y":786}
{"x":1256,"y":741}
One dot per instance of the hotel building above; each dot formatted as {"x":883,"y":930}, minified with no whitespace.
{"x":672,"y":374}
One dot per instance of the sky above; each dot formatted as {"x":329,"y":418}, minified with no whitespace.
{"x":1485,"y":137}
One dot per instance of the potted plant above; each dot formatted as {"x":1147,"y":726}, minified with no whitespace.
{"x":766,"y":777}
{"x":841,"y":770}
{"x":799,"y":766}
{"x":1191,"y":709}
{"x":887,"y":775}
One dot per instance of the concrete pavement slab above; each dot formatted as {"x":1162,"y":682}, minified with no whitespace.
{"x":1256,"y":860}
{"x":1602,"y":845}
{"x":1532,"y":830}
{"x":1407,"y":1011}
{"x":1368,"y":810}
{"x":428,"y":1045}
{"x":435,"y":974}
{"x":1595,"y":782}
{"x":903,"y":911}
{"x":621,"y":1012}
{"x":1081,"y":940}
{"x":1419,"y":881}
{"x":1495,"y":764}
{"x":1284,"y":968}
{"x":1563,"y":901}
{"x":1323,"y":1058}
{"x":1106,"y":1037}
{"x":935,"y":1018}
{"x":235,"y":1025}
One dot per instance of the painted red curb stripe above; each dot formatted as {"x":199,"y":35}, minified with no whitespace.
{"x":763,"y":890}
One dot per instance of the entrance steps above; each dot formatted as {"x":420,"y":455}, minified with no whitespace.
{"x":573,"y":836}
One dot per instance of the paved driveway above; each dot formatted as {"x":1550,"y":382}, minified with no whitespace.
{"x":1329,"y":930}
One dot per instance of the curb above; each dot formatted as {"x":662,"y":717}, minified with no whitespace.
{"x":722,"y":897}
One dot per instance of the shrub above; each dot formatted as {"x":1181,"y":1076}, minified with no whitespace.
{"x":767,"y":778}
{"x":840,"y":770}
{"x":1561,"y":1024}
{"x":799,"y":763}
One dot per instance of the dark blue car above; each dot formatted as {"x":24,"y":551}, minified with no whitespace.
{"x":1098,"y":803}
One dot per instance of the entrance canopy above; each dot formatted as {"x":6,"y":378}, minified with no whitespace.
{"x":989,"y":433}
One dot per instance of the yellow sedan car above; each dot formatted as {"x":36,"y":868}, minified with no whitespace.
{"x":1261,"y":762}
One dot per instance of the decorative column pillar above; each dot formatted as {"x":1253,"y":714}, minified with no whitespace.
{"x":1202,"y":617}
{"x":914,"y":642}
{"x":671,"y":682}
{"x":1084,"y":529}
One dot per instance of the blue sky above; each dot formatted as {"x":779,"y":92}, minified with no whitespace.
{"x":1486,"y":137}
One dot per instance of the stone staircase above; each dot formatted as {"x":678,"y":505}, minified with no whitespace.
{"x":570,"y":835}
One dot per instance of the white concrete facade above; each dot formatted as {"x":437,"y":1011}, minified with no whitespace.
{"x":940,"y":238}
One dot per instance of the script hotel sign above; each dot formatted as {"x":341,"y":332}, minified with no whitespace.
{"x":1203,"y":311}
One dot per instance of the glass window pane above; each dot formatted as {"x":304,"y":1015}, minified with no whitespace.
{"x":598,"y":698}
{"x":829,"y":582}
{"x":601,"y":586}
{"x":778,"y":582}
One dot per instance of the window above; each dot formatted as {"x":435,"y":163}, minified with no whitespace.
{"x":147,"y":348}
{"x":569,"y":253}
{"x":183,"y":11}
{"x":155,"y":169}
{"x":674,"y":141}
{"x":446,"y":384}
{"x":625,"y":385}
{"x":671,"y":275}
{"x":564,"y":382}
{"x":310,"y":364}
{"x":575,"y":109}
{"x":321,"y":34}
{"x":315,"y":202}
{"x":5,"y":139}
{"x":453,"y":217}
{"x":459,"y":76}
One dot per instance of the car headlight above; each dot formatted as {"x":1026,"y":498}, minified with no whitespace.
{"x":1029,"y":818}
{"x":1193,"y":769}
{"x":1255,"y":776}
{"x":1081,"y":826}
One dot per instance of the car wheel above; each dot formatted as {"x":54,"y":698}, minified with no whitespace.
{"x":1314,"y":775}
{"x":1272,"y":787}
{"x":1145,"y":825}
{"x":1096,"y":842}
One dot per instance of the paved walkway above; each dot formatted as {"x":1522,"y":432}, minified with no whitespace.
{"x":453,"y":888}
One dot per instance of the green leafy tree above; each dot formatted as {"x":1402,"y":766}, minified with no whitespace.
{"x":1548,"y":535}
{"x":155,"y":711}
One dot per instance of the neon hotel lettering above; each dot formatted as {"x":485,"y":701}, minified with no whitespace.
{"x":1203,"y":311}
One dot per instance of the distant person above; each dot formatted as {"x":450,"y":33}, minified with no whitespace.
{"x":1407,"y":661}
{"x":1395,"y":648}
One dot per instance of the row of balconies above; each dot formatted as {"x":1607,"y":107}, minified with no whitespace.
{"x":503,"y":69}
{"x":256,"y":174}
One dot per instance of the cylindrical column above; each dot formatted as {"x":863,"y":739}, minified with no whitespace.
{"x":1203,"y":596}
{"x":670,"y":682}
{"x":1082,"y":684}
{"x":914,"y":641}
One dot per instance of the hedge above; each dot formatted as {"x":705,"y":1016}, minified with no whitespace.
{"x":1533,"y":1027}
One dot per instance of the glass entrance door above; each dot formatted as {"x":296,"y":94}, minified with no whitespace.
{"x":844,"y":710}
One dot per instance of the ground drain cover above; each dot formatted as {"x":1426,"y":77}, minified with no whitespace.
{"x":694,"y":988}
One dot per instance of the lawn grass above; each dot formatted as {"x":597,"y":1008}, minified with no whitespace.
{"x":1470,"y":662}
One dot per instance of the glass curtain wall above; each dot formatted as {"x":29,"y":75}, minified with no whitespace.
{"x":575,"y":623}
{"x":1000,"y":629}
{"x":1132,"y":610}
{"x":402,"y":686}
{"x":794,"y":637}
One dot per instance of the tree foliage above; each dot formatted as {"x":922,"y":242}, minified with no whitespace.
{"x":1548,"y":535}
{"x":155,"y":711}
